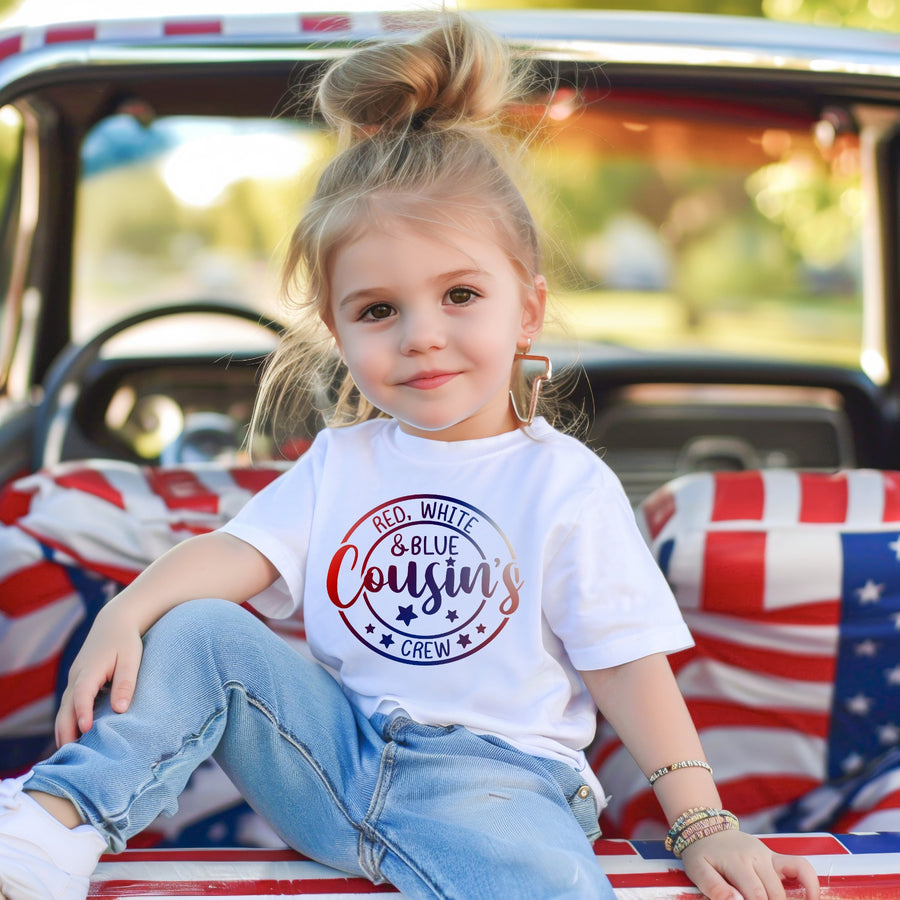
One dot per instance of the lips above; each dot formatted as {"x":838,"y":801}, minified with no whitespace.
{"x":428,"y":381}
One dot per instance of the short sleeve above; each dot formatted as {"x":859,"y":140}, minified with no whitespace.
{"x":277,"y":522}
{"x":604,"y":595}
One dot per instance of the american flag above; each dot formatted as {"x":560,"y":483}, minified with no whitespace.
{"x":790,"y":583}
{"x":70,"y":538}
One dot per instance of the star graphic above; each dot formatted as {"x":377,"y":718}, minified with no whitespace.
{"x":370,"y":628}
{"x":889,"y":734}
{"x":859,"y":705}
{"x":867,"y":647}
{"x":452,"y":615}
{"x":869,"y":592}
{"x":386,"y":640}
{"x":480,"y":629}
{"x":852,"y":763}
{"x":406,"y":614}
{"x":896,"y":618}
{"x":893,"y":676}
{"x":895,"y":546}
{"x":463,"y":640}
{"x":450,"y":560}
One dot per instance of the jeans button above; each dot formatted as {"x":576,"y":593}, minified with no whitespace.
{"x":584,"y":792}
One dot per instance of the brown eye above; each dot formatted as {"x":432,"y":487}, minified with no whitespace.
{"x":460,"y":295}
{"x":378,"y":311}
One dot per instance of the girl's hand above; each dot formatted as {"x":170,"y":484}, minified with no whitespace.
{"x":733,"y":865}
{"x":111,"y":654}
{"x":208,"y":565}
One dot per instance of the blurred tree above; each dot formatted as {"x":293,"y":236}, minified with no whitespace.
{"x":719,"y":7}
{"x":876,"y":14}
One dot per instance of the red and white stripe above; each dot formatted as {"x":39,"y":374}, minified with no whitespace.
{"x":312,"y":25}
{"x":637,"y":872}
{"x":114,"y":518}
{"x":38,"y":611}
{"x":110,"y":519}
{"x":756,"y":569}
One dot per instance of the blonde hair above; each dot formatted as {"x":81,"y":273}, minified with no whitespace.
{"x":419,"y":138}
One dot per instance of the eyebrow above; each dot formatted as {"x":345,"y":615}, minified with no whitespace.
{"x":362,"y":294}
{"x":377,"y":293}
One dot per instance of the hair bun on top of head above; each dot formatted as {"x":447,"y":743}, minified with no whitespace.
{"x":456,"y":72}
{"x":417,"y":145}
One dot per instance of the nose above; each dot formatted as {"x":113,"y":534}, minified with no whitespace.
{"x":423,"y":330}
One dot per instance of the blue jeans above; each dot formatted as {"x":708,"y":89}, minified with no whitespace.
{"x":437,"y":811}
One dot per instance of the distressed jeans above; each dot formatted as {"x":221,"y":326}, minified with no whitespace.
{"x":436,"y":811}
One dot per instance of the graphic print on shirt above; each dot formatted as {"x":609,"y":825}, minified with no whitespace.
{"x":425,"y":579}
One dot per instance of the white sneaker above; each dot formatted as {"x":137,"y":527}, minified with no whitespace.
{"x":41,"y":859}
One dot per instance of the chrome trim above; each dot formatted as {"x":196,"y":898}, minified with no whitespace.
{"x":680,"y":40}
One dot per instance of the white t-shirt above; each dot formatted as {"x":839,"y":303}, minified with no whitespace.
{"x":464,"y":582}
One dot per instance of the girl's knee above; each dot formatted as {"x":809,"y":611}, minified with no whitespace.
{"x":202,"y":641}
{"x":199,"y":620}
{"x":204,"y":611}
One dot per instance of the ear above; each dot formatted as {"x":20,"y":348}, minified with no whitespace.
{"x":533,"y":307}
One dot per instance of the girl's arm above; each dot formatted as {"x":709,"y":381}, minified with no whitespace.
{"x":643,"y":704}
{"x":211,"y":565}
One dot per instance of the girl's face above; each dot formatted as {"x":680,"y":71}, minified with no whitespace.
{"x":428,"y":323}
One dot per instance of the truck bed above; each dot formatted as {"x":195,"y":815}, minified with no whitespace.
{"x":850,"y":867}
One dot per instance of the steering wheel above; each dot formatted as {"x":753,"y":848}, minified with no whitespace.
{"x":65,"y":379}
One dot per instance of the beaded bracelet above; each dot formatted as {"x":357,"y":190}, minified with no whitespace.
{"x":699,"y":832}
{"x":692,"y":816}
{"x":707,"y":830}
{"x":688,"y":832}
{"x":688,"y":817}
{"x":697,"y":823}
{"x":684,"y":764}
{"x":699,"y":816}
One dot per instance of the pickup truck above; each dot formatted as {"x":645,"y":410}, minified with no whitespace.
{"x":724,"y":196}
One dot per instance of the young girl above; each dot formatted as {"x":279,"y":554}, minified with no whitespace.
{"x":473,"y":586}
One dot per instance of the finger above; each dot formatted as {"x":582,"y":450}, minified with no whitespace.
{"x":124,"y":679}
{"x":799,"y":869}
{"x":710,"y":883}
{"x":765,"y":878}
{"x":65,"y":728}
{"x":770,"y":878}
{"x":84,"y":693}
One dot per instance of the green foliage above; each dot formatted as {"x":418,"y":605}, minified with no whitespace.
{"x":872,"y":14}
{"x":10,"y":135}
{"x":717,"y":7}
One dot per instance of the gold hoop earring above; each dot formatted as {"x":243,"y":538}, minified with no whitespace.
{"x":536,"y":384}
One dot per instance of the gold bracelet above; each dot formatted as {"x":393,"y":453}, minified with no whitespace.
{"x":684,"y":764}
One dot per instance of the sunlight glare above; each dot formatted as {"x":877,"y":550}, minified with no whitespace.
{"x":199,"y":172}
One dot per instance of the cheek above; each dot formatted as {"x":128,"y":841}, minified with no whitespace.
{"x":363,"y":357}
{"x":495,"y":341}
